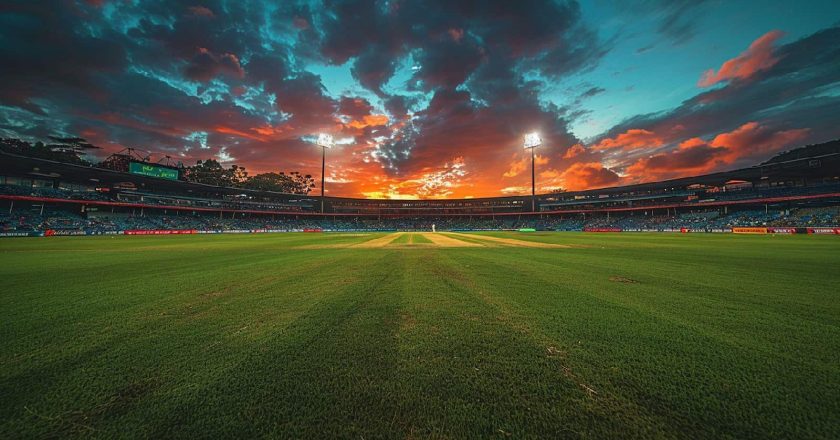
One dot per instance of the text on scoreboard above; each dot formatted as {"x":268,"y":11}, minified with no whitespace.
{"x":152,"y":171}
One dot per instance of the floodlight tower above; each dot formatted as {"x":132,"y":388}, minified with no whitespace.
{"x":532,"y":141}
{"x":324,"y":141}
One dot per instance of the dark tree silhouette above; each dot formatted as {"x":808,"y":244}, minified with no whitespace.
{"x":61,"y":149}
{"x":294,"y":183}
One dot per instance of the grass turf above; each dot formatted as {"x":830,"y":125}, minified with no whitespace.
{"x":622,"y":335}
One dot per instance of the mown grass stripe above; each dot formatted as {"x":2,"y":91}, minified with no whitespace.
{"x":247,"y":336}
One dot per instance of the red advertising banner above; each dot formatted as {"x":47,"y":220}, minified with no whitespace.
{"x":159,"y":231}
{"x":749,"y":230}
{"x":835,"y":231}
{"x":602,"y":229}
{"x":313,"y":230}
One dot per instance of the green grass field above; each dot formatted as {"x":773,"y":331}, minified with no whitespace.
{"x":308,"y":336}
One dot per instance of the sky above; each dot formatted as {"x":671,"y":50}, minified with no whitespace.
{"x":432,"y":98}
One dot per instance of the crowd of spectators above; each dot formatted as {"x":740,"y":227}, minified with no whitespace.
{"x":54,"y":193}
{"x":810,"y":217}
{"x":33,"y":219}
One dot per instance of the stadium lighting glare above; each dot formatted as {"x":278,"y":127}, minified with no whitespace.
{"x":532,"y":141}
{"x":324,"y":141}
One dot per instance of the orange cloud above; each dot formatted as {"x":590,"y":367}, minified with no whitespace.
{"x":235,"y":132}
{"x":518,"y":166}
{"x":759,"y":56}
{"x":574,"y":151}
{"x":369,"y":121}
{"x":587,"y":175}
{"x":690,"y":159}
{"x":268,"y":130}
{"x":696,"y":156}
{"x":693,"y":142}
{"x":446,"y":181}
{"x":752,"y":139}
{"x":632,"y":139}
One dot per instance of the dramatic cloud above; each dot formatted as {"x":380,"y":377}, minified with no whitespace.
{"x":574,"y":151}
{"x":787,"y":104}
{"x":518,"y":166}
{"x":693,"y":157}
{"x":696,"y":156}
{"x":588,"y":175}
{"x":752,"y":141}
{"x":632,"y":139}
{"x":759,"y":56}
{"x":425,"y":98}
{"x":44,"y":53}
{"x":205,"y":65}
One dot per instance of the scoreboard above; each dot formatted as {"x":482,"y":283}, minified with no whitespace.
{"x":145,"y":169}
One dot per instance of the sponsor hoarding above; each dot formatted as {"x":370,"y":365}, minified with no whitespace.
{"x":21,"y":234}
{"x":159,"y":231}
{"x":160,"y":172}
{"x":749,"y":230}
{"x":782,"y":230}
{"x":835,"y":231}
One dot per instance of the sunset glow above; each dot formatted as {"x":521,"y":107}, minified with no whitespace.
{"x":429,"y":99}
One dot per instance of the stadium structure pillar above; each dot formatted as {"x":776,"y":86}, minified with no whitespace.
{"x":533,"y":183}
{"x":324,"y":141}
{"x":533,"y":140}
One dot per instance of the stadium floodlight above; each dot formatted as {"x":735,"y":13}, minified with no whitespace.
{"x":532,"y":141}
{"x":324,"y":141}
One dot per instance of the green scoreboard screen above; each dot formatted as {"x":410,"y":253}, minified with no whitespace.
{"x":153,"y":170}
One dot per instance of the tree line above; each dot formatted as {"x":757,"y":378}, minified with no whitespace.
{"x":73,"y":150}
{"x":211,"y":172}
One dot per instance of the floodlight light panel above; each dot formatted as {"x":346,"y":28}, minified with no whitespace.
{"x":325,"y":140}
{"x":532,"y":140}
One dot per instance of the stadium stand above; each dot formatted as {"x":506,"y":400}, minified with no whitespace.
{"x":43,"y":197}
{"x":64,"y":222}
